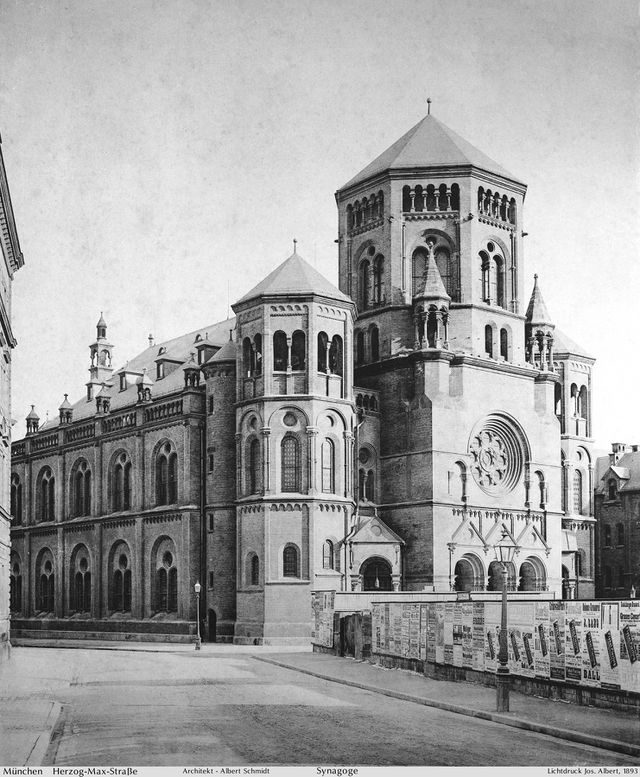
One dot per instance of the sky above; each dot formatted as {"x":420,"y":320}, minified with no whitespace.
{"x":162,"y":155}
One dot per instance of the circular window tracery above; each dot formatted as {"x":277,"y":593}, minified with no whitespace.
{"x":497,"y":450}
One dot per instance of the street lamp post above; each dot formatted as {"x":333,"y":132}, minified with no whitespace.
{"x":505,"y":552}
{"x":197,"y":588}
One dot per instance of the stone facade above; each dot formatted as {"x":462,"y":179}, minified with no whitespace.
{"x":385,"y":435}
{"x":12,"y":260}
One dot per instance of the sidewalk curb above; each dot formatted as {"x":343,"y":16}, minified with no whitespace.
{"x":559,"y":733}
{"x":43,"y":741}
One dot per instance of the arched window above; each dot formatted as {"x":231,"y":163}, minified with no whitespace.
{"x":612,"y":488}
{"x":582,"y":402}
{"x":579,"y":563}
{"x":80,"y":580}
{"x":620,"y":533}
{"x":375,"y":344}
{"x":328,"y":466}
{"x":298,"y":351}
{"x":247,"y":358}
{"x":359,"y":347}
{"x":443,"y":263}
{"x":46,"y":495}
{"x":364,"y":275}
{"x":542,"y":493}
{"x":607,"y":535}
{"x":16,"y":499}
{"x":257,"y":354}
{"x":15,"y":584}
{"x":575,"y":402}
{"x":335,"y":356}
{"x":253,"y":466}
{"x":469,"y":574}
{"x":254,"y":570}
{"x":557,"y":398}
{"x":378,"y":279}
{"x":504,"y":344}
{"x":280,"y":351}
{"x":166,"y":476}
{"x":323,"y":342}
{"x":121,"y":484}
{"x":327,"y":555}
{"x":577,"y":492}
{"x":45,"y":582}
{"x":81,"y":482}
{"x":493,"y":285}
{"x":370,"y":486}
{"x":458,"y":481}
{"x":290,"y":464}
{"x":120,"y":579}
{"x":361,"y":485}
{"x":290,"y":561}
{"x":488,"y":340}
{"x":166,"y":578}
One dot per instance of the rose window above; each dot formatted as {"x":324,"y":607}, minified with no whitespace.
{"x":497,"y":455}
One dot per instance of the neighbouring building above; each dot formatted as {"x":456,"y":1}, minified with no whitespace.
{"x":383,"y":435}
{"x":12,"y":260}
{"x":617,"y":512}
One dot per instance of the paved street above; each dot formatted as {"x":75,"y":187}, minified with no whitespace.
{"x":225,"y":708}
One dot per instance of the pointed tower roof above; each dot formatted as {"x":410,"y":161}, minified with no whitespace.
{"x":101,"y":322}
{"x":294,"y":277}
{"x":537,"y":312}
{"x":226,"y":354}
{"x":66,"y":405}
{"x":33,"y":416}
{"x":429,"y":144}
{"x":433,"y":285}
{"x":144,"y":379}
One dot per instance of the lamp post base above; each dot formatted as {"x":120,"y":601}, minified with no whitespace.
{"x":198,"y":643}
{"x":502,"y":689}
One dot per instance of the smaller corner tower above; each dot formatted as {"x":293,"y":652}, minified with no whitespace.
{"x":101,"y":352}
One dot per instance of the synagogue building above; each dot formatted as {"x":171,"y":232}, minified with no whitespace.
{"x":384,"y":434}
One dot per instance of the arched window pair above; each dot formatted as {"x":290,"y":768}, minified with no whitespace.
{"x":80,"y":581}
{"x":252,"y":356}
{"x":492,"y":264}
{"x":371,"y":280}
{"x":330,"y":354}
{"x":81,"y":485}
{"x":328,"y":455}
{"x":15,"y":584}
{"x":374,"y":345}
{"x":367,"y":485}
{"x":281,"y":356}
{"x":120,"y":579}
{"x":45,"y":582}
{"x":16,"y":499}
{"x":121,"y":484}
{"x":444,"y":263}
{"x":579,"y":401}
{"x":166,"y":580}
{"x":166,"y":476}
{"x":46,"y":495}
{"x":254,"y":467}
{"x":329,"y":557}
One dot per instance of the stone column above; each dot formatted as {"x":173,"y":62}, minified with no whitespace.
{"x":312,"y":468}
{"x":265,"y":431}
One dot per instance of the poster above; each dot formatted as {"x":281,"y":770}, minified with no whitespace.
{"x":457,"y":634}
{"x":386,"y":629}
{"x":478,"y":636}
{"x":440,"y":612}
{"x":630,"y":645}
{"x":448,"y":633}
{"x":556,"y":640}
{"x":610,"y":644}
{"x":395,"y":614}
{"x":521,"y":640}
{"x":541,"y":639}
{"x":573,"y":642}
{"x":431,"y":633}
{"x":467,"y":634}
{"x":414,"y":631}
{"x":591,"y":644}
{"x":376,"y":626}
{"x":492,"y":612}
{"x":404,"y":648}
{"x":424,"y":610}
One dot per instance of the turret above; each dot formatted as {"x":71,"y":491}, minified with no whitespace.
{"x":539,"y":331}
{"x":101,"y":351}
{"x":145,"y":385}
{"x":103,"y":400}
{"x":66,"y":411}
{"x":191,"y":373}
{"x":33,"y":421}
{"x":431,"y":307}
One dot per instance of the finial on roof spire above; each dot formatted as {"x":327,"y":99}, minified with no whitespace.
{"x":428,"y":106}
{"x":295,"y":245}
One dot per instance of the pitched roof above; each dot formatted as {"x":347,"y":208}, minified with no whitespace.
{"x":562,"y":343}
{"x":537,"y":312}
{"x":433,"y":286}
{"x":429,"y":144}
{"x":294,"y":276}
{"x":226,"y":354}
{"x":375,"y":530}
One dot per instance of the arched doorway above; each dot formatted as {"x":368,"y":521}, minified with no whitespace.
{"x":376,"y":575}
{"x":211,"y":627}
{"x":533,"y":575}
{"x":468,"y":574}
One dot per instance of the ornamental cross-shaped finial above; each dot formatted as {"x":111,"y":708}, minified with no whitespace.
{"x":428,"y":106}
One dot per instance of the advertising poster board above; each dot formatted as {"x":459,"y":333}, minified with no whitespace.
{"x":591,"y":644}
{"x":376,"y":626}
{"x":630,"y":645}
{"x":610,"y":645}
{"x":521,"y":641}
{"x":573,"y":642}
{"x":406,"y":620}
{"x":448,"y":632}
{"x":556,"y":640}
{"x":395,"y":610}
{"x":414,"y":631}
{"x":386,"y":628}
{"x":431,"y":634}
{"x":457,"y":634}
{"x":439,"y":607}
{"x":541,"y":639}
{"x":478,"y":636}
{"x":467,"y":634}
{"x":424,"y":615}
{"x":491,"y":635}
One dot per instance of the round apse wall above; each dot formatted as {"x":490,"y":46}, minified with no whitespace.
{"x":498,"y":450}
